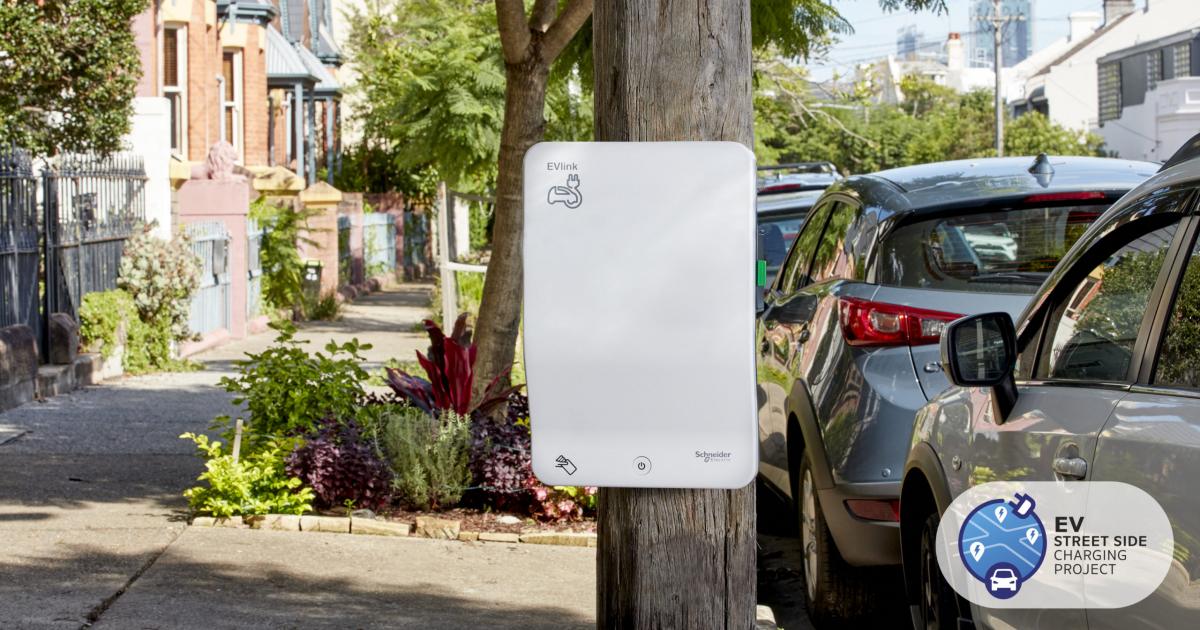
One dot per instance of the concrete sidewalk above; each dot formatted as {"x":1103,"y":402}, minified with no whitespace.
{"x":93,"y":526}
{"x":387,"y":320}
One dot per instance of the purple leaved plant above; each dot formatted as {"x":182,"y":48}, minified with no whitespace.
{"x":341,"y":467}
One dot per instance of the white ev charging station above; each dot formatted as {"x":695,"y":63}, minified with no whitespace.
{"x":639,"y":313}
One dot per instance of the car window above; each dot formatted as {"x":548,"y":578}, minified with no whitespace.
{"x":795,"y":270}
{"x":833,"y":259}
{"x":1092,"y":331}
{"x":998,"y":251}
{"x":775,"y":236}
{"x":1179,"y":358}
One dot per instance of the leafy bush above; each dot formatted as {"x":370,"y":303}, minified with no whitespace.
{"x":503,"y":471}
{"x":450,"y":367}
{"x":430,"y":456}
{"x":341,"y":466}
{"x":564,"y":503}
{"x":283,"y":269}
{"x":327,"y":308}
{"x":161,"y":276}
{"x":256,"y":484}
{"x":108,"y":319}
{"x":288,"y":391}
{"x":500,"y":457}
{"x":104,"y":318}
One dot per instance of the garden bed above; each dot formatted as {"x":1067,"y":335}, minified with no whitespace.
{"x":476,"y":521}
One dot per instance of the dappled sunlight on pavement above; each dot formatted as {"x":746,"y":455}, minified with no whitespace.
{"x":93,"y":524}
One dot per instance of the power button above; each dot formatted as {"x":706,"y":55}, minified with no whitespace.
{"x":642,"y":465}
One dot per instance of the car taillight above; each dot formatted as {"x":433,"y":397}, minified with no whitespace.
{"x":867,"y":323}
{"x":1093,"y":195}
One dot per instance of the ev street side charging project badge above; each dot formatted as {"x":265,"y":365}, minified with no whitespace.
{"x":639,"y":313}
{"x":1045,"y":544}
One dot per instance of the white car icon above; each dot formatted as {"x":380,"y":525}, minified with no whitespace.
{"x":1004,"y":578}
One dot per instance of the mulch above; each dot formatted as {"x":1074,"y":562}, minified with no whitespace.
{"x":477,"y":521}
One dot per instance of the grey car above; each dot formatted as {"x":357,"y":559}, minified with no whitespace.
{"x":1099,"y":380}
{"x":849,"y":330}
{"x":786,"y":192}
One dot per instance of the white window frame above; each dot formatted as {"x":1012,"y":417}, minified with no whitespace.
{"x":178,"y":93}
{"x":235,"y":104}
{"x":288,"y":125}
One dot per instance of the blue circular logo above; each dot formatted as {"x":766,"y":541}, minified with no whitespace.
{"x":1002,"y":543}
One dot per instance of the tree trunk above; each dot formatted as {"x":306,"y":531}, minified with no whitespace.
{"x":500,"y":310}
{"x":674,"y":71}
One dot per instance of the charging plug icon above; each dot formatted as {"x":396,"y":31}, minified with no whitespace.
{"x":1022,"y":504}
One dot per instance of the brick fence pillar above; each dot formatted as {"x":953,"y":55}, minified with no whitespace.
{"x":322,"y":200}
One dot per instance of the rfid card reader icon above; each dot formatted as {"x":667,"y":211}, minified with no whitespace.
{"x":567,"y":465}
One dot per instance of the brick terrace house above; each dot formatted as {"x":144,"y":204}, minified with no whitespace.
{"x":258,"y":74}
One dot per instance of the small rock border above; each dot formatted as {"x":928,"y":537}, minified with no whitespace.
{"x":425,"y":527}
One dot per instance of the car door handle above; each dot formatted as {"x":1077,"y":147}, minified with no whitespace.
{"x":1071,"y":467}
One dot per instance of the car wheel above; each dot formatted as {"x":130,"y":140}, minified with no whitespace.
{"x":833,"y":590}
{"x":939,"y":603}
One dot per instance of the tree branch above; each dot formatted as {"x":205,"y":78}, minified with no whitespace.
{"x":514,"y":30}
{"x":543,"y":15}
{"x":564,"y":28}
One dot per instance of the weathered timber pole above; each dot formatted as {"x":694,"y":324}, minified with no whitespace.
{"x":669,"y":70}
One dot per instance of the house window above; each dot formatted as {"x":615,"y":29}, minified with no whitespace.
{"x":1183,"y":59}
{"x":174,"y":82}
{"x":231,"y":98}
{"x":1110,"y":91}
{"x":1153,"y":69}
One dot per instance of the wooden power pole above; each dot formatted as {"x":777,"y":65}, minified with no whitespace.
{"x":998,"y":21}
{"x":674,"y":71}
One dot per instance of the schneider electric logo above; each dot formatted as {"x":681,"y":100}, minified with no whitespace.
{"x":714,"y":456}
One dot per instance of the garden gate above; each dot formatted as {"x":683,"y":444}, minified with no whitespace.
{"x":63,"y":228}
{"x":210,"y":309}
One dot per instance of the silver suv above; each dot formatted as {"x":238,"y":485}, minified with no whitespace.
{"x":1098,"y":380}
{"x":848,"y":335}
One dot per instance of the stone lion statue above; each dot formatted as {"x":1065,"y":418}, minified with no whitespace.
{"x":221,"y":163}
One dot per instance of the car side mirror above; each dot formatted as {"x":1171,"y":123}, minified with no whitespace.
{"x":981,"y":351}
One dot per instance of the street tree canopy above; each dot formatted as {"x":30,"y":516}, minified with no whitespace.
{"x":431,"y":84}
{"x":414,"y":111}
{"x":859,"y":135}
{"x":68,"y":73}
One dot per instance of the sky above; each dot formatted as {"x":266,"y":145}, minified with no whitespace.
{"x":875,"y":30}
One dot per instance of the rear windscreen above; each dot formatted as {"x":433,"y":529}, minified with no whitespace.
{"x":1001,"y":251}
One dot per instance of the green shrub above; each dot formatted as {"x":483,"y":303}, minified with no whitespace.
{"x":287,"y":391}
{"x":161,"y":277}
{"x":104,"y":319}
{"x":108,"y":319}
{"x":326,"y":309}
{"x":470,"y":296}
{"x":430,"y":457}
{"x":283,"y":269}
{"x":255,"y":484}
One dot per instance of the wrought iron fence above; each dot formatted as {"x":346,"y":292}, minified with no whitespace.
{"x":20,"y":258}
{"x":63,"y":227}
{"x":93,"y":204}
{"x":254,"y":238}
{"x":210,"y":308}
{"x":379,"y":243}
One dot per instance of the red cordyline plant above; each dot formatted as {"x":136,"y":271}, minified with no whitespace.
{"x":450,"y":368}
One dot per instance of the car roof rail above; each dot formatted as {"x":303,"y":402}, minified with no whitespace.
{"x":802,"y":167}
{"x":1190,"y":150}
